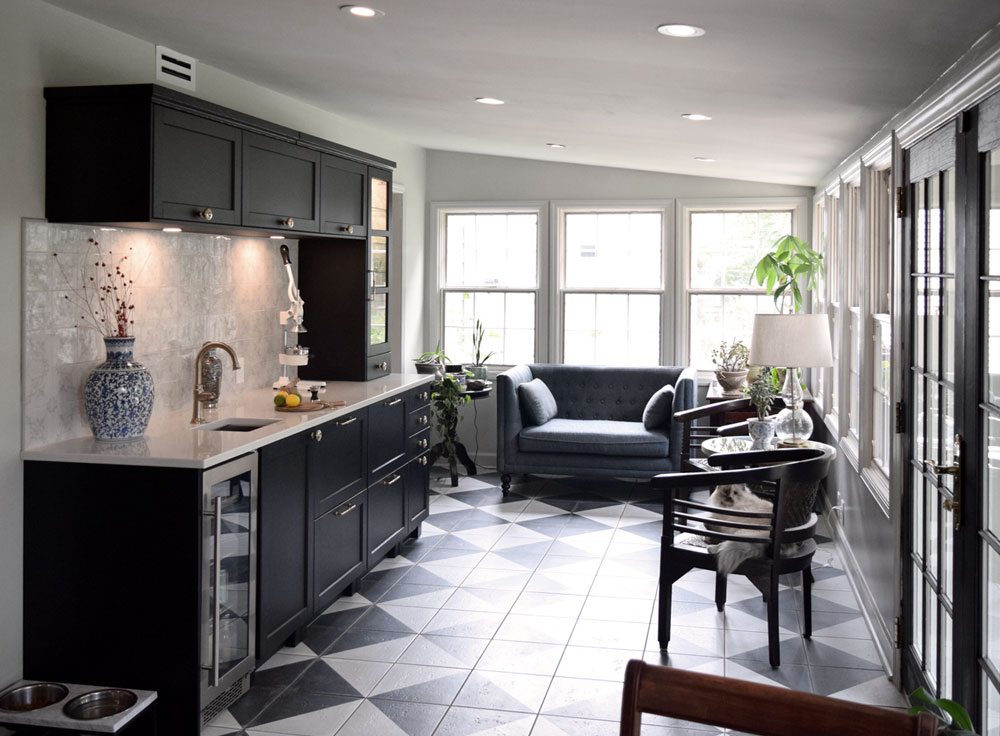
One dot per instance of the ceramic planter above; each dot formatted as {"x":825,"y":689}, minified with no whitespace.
{"x":761,"y":431}
{"x":731,"y":381}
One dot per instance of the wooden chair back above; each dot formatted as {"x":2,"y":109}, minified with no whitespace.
{"x":753,"y":708}
{"x":693,"y":434}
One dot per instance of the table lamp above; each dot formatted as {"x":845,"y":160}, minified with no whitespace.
{"x":794,"y":341}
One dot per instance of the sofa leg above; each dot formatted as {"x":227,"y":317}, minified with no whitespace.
{"x":505,"y":484}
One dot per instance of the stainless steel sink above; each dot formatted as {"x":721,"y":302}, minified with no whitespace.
{"x":236,"y":424}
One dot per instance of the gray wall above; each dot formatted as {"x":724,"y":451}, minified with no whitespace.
{"x":463,"y":177}
{"x":41,"y":45}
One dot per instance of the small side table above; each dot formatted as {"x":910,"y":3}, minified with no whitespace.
{"x":460,"y":451}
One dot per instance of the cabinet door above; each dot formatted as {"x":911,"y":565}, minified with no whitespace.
{"x":283,"y":524}
{"x":418,"y":488}
{"x":380,"y":197}
{"x":386,"y":513}
{"x":342,"y":196}
{"x":196,"y":168}
{"x":280,"y":185}
{"x":386,"y":435}
{"x":339,"y":550}
{"x":336,"y":463}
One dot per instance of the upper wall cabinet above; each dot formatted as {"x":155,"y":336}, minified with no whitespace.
{"x":343,"y":188}
{"x":196,"y":168}
{"x":147,"y":156}
{"x":280,"y":185}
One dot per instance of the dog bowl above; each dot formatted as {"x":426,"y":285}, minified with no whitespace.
{"x":99,"y":703}
{"x":32,"y":697}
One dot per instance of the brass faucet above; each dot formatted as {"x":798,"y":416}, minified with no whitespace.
{"x":201,"y":396}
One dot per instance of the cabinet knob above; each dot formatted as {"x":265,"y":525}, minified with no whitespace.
{"x":289,"y":222}
{"x":422,"y":419}
{"x":423,"y":396}
{"x":317,"y":435}
{"x":206,"y":213}
{"x":422,"y":443}
{"x":383,"y":366}
{"x":422,"y":459}
{"x":349,"y":229}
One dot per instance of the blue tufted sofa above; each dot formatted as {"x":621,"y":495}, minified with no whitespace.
{"x":598,"y":426}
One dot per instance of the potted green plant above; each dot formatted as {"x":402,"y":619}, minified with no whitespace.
{"x":761,"y":393}
{"x":432,"y":361}
{"x":780,"y":270}
{"x":954,"y":719}
{"x":478,"y":368}
{"x":730,"y":360}
{"x":446,"y":398}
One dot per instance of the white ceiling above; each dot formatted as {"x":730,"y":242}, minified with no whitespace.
{"x":793,"y":85}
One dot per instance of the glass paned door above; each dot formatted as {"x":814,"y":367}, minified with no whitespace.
{"x":934,"y":448}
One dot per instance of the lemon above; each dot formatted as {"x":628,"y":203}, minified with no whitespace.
{"x":293,"y":400}
{"x":280,"y":398}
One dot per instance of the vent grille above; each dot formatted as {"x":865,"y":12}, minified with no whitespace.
{"x":225,"y":699}
{"x":174,"y":68}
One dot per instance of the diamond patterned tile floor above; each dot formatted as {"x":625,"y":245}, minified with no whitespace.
{"x":515,"y":617}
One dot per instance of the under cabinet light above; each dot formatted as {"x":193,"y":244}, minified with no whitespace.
{"x":172,"y":230}
{"x":276,"y":237}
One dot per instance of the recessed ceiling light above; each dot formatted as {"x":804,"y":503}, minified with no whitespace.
{"x":362,"y":11}
{"x":172,"y":230}
{"x":489,"y":100}
{"x":704,"y":159}
{"x":556,"y":145}
{"x":696,"y":117}
{"x":680,"y":30}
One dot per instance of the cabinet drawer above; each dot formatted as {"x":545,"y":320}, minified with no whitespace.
{"x":418,"y":443}
{"x":280,"y":185}
{"x":386,"y":513}
{"x":336,"y":460}
{"x":386,"y":435}
{"x":378,"y":366}
{"x":339,"y":544}
{"x":418,"y":420}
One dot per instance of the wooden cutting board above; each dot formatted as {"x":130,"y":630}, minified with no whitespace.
{"x":311,"y":406}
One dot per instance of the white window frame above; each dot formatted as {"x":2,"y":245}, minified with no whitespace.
{"x":798,"y":206}
{"x":820,"y":379}
{"x":665,"y":208}
{"x":436,"y":268}
{"x":834,"y":281}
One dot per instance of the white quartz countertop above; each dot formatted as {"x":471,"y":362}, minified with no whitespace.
{"x":172,"y":441}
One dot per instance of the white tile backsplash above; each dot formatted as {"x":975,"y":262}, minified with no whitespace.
{"x":189,"y":288}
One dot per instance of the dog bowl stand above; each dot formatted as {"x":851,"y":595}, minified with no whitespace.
{"x":53,"y":717}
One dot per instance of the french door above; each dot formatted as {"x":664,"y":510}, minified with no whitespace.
{"x":951,"y":526}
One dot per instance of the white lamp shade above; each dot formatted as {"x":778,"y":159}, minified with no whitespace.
{"x":791,"y":340}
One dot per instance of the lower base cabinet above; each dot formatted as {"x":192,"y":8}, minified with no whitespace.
{"x":339,"y":542}
{"x":386,"y":513}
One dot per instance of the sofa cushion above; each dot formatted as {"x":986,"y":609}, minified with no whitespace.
{"x":659,"y":408}
{"x":538,"y":405}
{"x":595,"y":437}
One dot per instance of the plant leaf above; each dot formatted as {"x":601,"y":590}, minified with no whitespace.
{"x":959,"y":716}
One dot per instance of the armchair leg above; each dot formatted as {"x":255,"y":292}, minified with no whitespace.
{"x":773,"y":647}
{"x":505,"y":484}
{"x":807,"y":603}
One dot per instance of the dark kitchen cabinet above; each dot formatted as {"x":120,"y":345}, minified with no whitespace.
{"x":386,"y":513}
{"x":284,"y":595}
{"x":145,"y":156}
{"x":343,"y":196}
{"x":337,"y":464}
{"x":386,"y":434}
{"x":197,"y":167}
{"x":346,"y":284}
{"x":340,"y":545}
{"x":280,"y":185}
{"x":418,"y":489}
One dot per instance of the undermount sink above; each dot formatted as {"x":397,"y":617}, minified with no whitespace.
{"x":236,"y":424}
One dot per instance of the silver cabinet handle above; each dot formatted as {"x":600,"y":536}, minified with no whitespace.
{"x":394,"y":479}
{"x":287,"y":222}
{"x":422,"y":459}
{"x":392,"y":402}
{"x":216,"y":515}
{"x":422,"y":443}
{"x":422,"y":419}
{"x":206,"y":214}
{"x":423,"y":396}
{"x":346,"y":511}
{"x":371,"y":280}
{"x":344,"y":423}
{"x":317,"y":435}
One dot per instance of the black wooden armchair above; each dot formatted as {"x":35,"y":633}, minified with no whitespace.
{"x":791,"y":472}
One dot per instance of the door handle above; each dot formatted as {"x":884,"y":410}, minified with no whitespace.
{"x":954,"y":469}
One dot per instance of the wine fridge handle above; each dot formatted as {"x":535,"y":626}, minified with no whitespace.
{"x":216,"y":593}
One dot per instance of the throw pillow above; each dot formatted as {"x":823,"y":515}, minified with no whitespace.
{"x":659,"y":408}
{"x":538,"y":405}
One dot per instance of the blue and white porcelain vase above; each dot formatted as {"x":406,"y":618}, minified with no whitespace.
{"x":119,"y":393}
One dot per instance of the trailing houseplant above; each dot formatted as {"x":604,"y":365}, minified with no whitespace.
{"x":446,"y":398}
{"x":780,"y":271}
{"x":730,"y":360}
